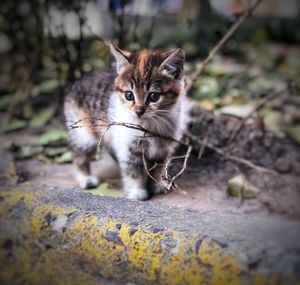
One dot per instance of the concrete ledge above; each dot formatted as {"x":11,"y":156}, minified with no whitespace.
{"x":66,"y":236}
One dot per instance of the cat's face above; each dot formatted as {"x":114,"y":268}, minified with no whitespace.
{"x":148,"y":83}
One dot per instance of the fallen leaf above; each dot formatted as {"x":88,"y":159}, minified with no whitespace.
{"x":54,"y":151}
{"x":207,"y":104}
{"x":44,"y":158}
{"x":233,"y":96}
{"x":48,"y":86}
{"x":239,"y":186}
{"x":53,"y":136}
{"x":42,"y":117}
{"x":24,"y":152}
{"x":205,"y":87}
{"x":220,"y":67}
{"x":240,"y":111}
{"x":64,"y":158}
{"x":14,"y":125}
{"x":272,"y":119}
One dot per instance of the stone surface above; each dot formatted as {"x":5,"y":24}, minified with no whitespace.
{"x":67,"y":236}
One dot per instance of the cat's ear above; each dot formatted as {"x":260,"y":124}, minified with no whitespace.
{"x":121,"y":57}
{"x":173,"y":64}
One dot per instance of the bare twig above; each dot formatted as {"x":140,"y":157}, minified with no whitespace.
{"x":171,"y":180}
{"x":200,"y":142}
{"x":202,"y":147}
{"x":231,"y":157}
{"x":145,"y":164}
{"x":99,"y":145}
{"x":193,"y":77}
{"x":257,"y":107}
{"x":146,"y":134}
{"x":154,"y":166}
{"x":127,"y":125}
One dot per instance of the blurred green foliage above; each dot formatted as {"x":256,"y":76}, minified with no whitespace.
{"x":37,"y":64}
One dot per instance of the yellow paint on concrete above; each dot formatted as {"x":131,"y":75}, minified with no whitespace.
{"x":145,"y":257}
{"x":225,"y":268}
{"x":39,"y":222}
{"x":11,"y":198}
{"x":33,"y":263}
{"x":164,"y":257}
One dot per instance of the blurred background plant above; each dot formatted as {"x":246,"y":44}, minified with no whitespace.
{"x":46,"y":44}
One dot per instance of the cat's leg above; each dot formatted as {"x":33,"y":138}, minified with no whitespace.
{"x":134,"y":188}
{"x":134,"y":178}
{"x":82,"y":172}
{"x":127,"y":148}
{"x":84,"y":145}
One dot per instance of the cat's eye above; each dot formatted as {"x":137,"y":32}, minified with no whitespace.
{"x":129,"y":95}
{"x":153,"y":97}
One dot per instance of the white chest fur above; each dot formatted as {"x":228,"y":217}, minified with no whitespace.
{"x":122,"y":137}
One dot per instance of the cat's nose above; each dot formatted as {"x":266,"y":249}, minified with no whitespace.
{"x":140,"y":111}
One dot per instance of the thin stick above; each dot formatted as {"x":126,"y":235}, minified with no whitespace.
{"x":145,"y":163}
{"x":171,"y":180}
{"x":153,"y":166}
{"x":202,"y":147}
{"x":193,"y":77}
{"x":101,"y":138}
{"x":127,"y":125}
{"x":186,"y":156}
{"x":232,"y":157}
{"x":195,"y":139}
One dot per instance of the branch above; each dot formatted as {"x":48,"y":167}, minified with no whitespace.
{"x":146,"y":134}
{"x":202,"y":143}
{"x":231,"y":157}
{"x":195,"y":74}
{"x":145,"y":163}
{"x":108,"y":124}
{"x":99,"y":145}
{"x":171,"y":180}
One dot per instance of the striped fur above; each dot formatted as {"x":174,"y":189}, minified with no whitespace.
{"x":101,"y":98}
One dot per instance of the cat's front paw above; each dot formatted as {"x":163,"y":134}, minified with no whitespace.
{"x":88,"y":182}
{"x":137,"y":194}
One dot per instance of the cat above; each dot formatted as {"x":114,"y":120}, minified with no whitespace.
{"x":145,"y":88}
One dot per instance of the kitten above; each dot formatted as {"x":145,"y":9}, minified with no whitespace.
{"x":145,"y":89}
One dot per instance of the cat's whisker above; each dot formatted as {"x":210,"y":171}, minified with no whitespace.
{"x":161,"y":112}
{"x":153,"y":125}
{"x":156,"y":126}
{"x":161,"y":123}
{"x":165,"y":120}
{"x":110,"y":110}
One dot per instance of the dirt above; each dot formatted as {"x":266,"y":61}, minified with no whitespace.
{"x":203,"y":186}
{"x":279,"y":193}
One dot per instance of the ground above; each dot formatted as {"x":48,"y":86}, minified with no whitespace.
{"x":68,"y":236}
{"x":231,"y":87}
{"x":204,"y":184}
{"x":205,"y":228}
